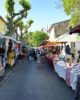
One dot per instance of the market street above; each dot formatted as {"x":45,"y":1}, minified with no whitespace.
{"x":27,"y":82}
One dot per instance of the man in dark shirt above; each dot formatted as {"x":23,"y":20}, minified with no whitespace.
{"x":67,"y":50}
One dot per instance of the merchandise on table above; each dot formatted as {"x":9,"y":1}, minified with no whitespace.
{"x":68,"y":72}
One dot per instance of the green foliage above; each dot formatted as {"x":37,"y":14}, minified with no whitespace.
{"x":27,"y":38}
{"x":13,"y":17}
{"x":68,"y":6}
{"x":9,"y":5}
{"x":24,"y":28}
{"x":9,"y":26}
{"x":20,"y":24}
{"x":30,"y":21}
{"x":75,"y":19}
{"x":72,"y":7}
{"x":37,"y":37}
{"x":25,"y":4}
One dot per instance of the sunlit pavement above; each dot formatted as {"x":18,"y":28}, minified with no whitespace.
{"x":27,"y":81}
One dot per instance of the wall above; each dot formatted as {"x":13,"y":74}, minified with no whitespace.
{"x":2,"y":27}
{"x":59,"y":28}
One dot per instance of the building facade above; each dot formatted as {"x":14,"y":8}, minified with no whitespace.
{"x":3,"y":26}
{"x":57,"y":29}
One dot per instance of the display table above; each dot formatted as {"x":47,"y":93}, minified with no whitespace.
{"x":60,"y":70}
{"x":77,"y":91}
{"x":51,"y":58}
{"x":73,"y":79}
{"x":67,"y":79}
{"x":69,"y":75}
{"x":50,"y":61}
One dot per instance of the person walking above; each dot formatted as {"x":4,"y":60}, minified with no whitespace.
{"x":68,"y":50}
{"x":11,"y":57}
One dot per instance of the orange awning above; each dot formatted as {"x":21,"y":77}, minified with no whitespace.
{"x":49,"y":43}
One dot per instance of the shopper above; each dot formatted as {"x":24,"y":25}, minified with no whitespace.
{"x":68,"y":50}
{"x":11,"y":57}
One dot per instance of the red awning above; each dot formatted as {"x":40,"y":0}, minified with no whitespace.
{"x":44,"y":42}
{"x":75,"y":30}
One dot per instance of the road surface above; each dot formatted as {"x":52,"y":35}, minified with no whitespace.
{"x":28,"y":82}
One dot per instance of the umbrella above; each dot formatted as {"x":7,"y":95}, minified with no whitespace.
{"x":49,"y":43}
{"x":69,"y":38}
{"x":75,"y":29}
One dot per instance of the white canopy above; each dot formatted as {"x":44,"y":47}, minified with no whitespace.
{"x":9,"y":37}
{"x":2,"y":36}
{"x":69,"y":38}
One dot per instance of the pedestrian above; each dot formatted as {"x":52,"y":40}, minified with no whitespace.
{"x":38,"y":58}
{"x":28,"y":53}
{"x":11,"y":57}
{"x":68,"y":50}
{"x":68,"y":53}
{"x":34,"y":55}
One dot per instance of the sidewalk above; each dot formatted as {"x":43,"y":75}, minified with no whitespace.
{"x":8,"y":71}
{"x":6,"y":75}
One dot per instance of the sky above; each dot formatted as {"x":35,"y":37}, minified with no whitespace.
{"x":43,"y":13}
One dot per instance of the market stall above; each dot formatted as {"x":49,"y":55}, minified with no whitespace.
{"x":11,"y":50}
{"x":2,"y":55}
{"x":52,"y":47}
{"x":68,"y":73}
{"x":66,"y":37}
{"x":66,"y":66}
{"x":51,"y":55}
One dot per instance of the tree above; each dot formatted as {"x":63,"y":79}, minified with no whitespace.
{"x":24,"y":28}
{"x":37,"y":37}
{"x":72,"y":8}
{"x":27,"y":38}
{"x":14,"y":17}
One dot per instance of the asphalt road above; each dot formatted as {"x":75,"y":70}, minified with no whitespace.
{"x":27,"y":81}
